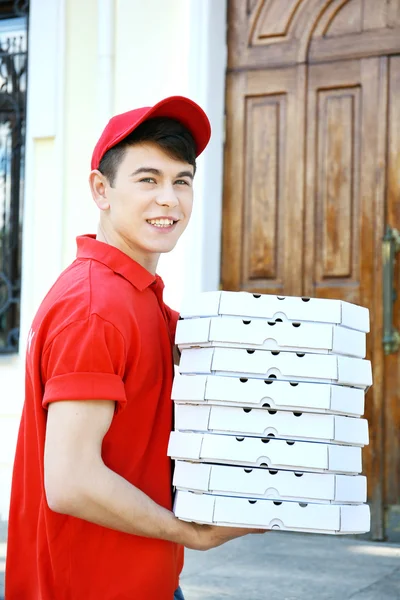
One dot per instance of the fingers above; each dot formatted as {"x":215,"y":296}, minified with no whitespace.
{"x":257,"y":530}
{"x":206,"y":537}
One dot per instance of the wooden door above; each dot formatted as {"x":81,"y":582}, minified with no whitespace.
{"x":312,"y":164}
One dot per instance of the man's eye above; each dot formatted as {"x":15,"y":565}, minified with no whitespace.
{"x":181,"y":182}
{"x":147,"y":180}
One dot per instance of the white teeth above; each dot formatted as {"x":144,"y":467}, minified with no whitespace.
{"x":161,"y":222}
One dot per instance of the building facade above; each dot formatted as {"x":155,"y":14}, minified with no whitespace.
{"x":298,"y":192}
{"x":87,"y":61}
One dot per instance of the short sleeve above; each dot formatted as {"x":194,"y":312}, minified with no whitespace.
{"x":172,"y":317}
{"x":85,"y":361}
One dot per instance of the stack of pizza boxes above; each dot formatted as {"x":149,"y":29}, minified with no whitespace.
{"x":268,"y":406}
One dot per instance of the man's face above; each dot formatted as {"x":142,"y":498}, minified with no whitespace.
{"x":150,"y":202}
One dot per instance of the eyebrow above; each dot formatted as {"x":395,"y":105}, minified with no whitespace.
{"x":158,"y":172}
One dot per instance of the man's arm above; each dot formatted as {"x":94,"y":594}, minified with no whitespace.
{"x":78,"y":483}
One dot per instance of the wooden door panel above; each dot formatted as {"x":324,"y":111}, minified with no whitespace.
{"x":344,"y":208}
{"x":370,"y":43}
{"x":355,"y":29}
{"x":270,"y":32}
{"x":333,"y":219}
{"x":340,"y":17}
{"x":337,"y":152}
{"x":265,"y":116}
{"x":263,"y":192}
{"x":392,"y":362}
{"x":285,"y":32}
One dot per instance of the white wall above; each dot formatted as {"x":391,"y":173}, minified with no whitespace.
{"x":87,"y":61}
{"x":42,"y":209}
{"x":179,"y":47}
{"x":207,"y":63}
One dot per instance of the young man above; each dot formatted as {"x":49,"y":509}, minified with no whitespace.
{"x":90,"y":515}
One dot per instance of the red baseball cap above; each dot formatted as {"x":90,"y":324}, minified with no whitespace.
{"x":179,"y":108}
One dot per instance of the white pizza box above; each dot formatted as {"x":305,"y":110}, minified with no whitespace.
{"x":269,"y":452}
{"x":268,"y":335}
{"x":324,"y":368}
{"x":291,"y":308}
{"x":272,"y":484}
{"x":257,"y":393}
{"x":267,"y":514}
{"x":266,"y":423}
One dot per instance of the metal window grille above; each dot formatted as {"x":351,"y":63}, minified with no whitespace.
{"x":13,"y":84}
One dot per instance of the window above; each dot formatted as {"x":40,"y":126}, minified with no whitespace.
{"x":13,"y":83}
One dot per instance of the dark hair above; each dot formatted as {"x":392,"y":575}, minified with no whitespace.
{"x":170,"y":135}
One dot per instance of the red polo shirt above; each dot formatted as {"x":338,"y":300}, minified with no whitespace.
{"x":102,"y":332}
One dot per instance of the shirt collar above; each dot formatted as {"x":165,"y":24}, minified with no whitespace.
{"x":88,"y":247}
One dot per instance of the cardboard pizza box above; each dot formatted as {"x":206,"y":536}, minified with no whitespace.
{"x":257,"y":393}
{"x":264,"y":452}
{"x":315,"y":338}
{"x":266,"y":306}
{"x":263,"y":422}
{"x":289,"y":366}
{"x":270,"y":483}
{"x":269,"y":514}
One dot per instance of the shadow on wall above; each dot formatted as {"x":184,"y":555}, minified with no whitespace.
{"x":3,"y":536}
{"x":3,"y":531}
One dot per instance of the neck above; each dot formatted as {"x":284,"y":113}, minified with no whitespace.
{"x":148,"y":261}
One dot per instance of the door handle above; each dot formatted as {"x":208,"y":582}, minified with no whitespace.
{"x":390,"y":247}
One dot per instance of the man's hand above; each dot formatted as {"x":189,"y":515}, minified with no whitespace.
{"x":205,"y":537}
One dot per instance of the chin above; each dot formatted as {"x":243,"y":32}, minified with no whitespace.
{"x":166,"y":249}
{"x":159,"y":248}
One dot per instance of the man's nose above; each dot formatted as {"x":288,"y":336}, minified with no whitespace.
{"x":167,"y":196}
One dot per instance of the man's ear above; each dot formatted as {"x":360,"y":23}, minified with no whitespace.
{"x":98,"y":187}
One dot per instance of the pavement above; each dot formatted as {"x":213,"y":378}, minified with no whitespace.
{"x":288,"y":566}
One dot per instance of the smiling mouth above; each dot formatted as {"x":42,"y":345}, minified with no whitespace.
{"x":162,"y":223}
